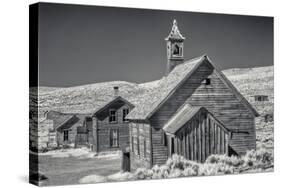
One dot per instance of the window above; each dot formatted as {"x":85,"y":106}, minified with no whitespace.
{"x":144,"y":148}
{"x":112,"y":116}
{"x":138,"y":145}
{"x":207,"y":81}
{"x":114,"y":137}
{"x":164,"y":138}
{"x":65,"y":135}
{"x":176,"y":50}
{"x":125,"y":113}
{"x":132,"y":140}
{"x":138,"y":141}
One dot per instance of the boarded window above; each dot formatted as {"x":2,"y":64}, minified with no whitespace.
{"x":114,"y":136}
{"x":112,"y":116}
{"x":65,"y":135}
{"x":125,"y":113}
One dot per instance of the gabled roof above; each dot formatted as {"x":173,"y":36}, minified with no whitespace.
{"x":108,"y":103}
{"x":184,"y":114}
{"x":175,"y":33}
{"x":169,"y":84}
{"x":181,"y":117}
{"x":64,"y":120}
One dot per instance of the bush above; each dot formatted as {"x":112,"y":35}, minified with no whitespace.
{"x":178,"y":166}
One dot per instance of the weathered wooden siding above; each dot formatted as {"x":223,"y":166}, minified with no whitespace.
{"x":202,"y":136}
{"x":141,"y":158}
{"x":71,"y":135}
{"x":217,"y":98}
{"x":103,"y":132}
{"x":159,"y":150}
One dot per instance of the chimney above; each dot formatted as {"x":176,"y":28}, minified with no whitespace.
{"x":116,"y":91}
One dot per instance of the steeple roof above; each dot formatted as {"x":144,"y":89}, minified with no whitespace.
{"x":175,"y":33}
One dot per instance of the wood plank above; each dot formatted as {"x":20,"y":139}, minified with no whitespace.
{"x":203,"y":139}
{"x":215,"y":138}
{"x":187,"y":144}
{"x":207,"y":133}
{"x":191,"y":138}
{"x":199,"y":138}
{"x":184,"y":143}
{"x":195,"y":141}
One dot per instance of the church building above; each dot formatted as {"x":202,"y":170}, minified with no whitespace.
{"x":195,"y":112}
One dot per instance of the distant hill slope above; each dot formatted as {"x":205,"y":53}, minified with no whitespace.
{"x":87,"y":98}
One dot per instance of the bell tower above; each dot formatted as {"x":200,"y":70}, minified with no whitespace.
{"x":174,"y":48}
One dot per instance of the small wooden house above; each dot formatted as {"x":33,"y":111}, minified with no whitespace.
{"x":195,"y":112}
{"x":110,"y":127}
{"x":69,"y":128}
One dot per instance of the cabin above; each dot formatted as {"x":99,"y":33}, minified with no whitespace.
{"x":110,"y":126}
{"x":195,"y":112}
{"x":69,"y":129}
{"x":261,"y":98}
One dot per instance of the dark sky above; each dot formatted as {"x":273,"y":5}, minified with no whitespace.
{"x":88,"y":44}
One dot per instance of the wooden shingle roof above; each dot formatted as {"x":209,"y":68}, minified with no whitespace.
{"x":168,"y":85}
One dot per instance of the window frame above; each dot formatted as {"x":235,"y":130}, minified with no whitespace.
{"x":111,"y":138}
{"x":123,"y":114}
{"x":110,"y":116}
{"x":65,"y":136}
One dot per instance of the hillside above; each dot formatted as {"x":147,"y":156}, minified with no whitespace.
{"x":87,"y":98}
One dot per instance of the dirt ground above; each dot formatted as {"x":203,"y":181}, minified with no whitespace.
{"x":65,"y":171}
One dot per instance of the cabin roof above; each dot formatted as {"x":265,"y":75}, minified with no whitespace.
{"x":108,"y":103}
{"x":168,"y":85}
{"x":184,"y":114}
{"x":63,"y":120}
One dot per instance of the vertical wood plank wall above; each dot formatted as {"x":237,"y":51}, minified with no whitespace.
{"x":201,"y":137}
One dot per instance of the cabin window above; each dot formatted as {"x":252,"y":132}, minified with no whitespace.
{"x":125,"y":113}
{"x":207,"y":81}
{"x":114,"y":137}
{"x":65,"y":135}
{"x":112,"y":116}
